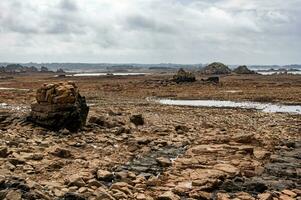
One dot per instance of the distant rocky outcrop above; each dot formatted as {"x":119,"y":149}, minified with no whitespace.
{"x":183,"y":76}
{"x":60,"y":70}
{"x":243,"y":70}
{"x":44,"y":69}
{"x":17,"y":68}
{"x":216,"y":68}
{"x":59,"y":106}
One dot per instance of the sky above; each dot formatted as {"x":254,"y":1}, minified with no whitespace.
{"x":151,"y":31}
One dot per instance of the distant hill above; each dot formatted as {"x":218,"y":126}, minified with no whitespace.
{"x":95,"y":67}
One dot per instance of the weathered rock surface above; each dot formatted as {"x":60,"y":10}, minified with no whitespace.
{"x":216,"y":68}
{"x":183,"y":76}
{"x":59,"y":106}
{"x":243,"y":70}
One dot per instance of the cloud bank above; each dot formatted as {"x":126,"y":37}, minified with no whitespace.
{"x":151,"y":31}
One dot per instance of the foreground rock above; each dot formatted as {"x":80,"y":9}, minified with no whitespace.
{"x":243,"y":70}
{"x":216,"y":68}
{"x":59,"y":106}
{"x":183,"y":76}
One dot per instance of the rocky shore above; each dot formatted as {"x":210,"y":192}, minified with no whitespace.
{"x":134,"y":149}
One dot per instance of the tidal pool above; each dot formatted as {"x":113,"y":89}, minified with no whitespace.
{"x":18,"y":89}
{"x":265,"y":107}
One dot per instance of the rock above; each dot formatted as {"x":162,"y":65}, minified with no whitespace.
{"x":243,"y":70}
{"x":216,"y":68}
{"x":244,"y":138}
{"x":285,"y":197}
{"x":164,"y":162}
{"x":59,"y":106}
{"x":137,"y":119}
{"x":181,"y":128}
{"x":212,"y":79}
{"x":99,"y":120}
{"x":265,"y":196}
{"x":222,"y":196}
{"x":13,"y":195}
{"x":289,"y":193}
{"x":3,"y":152}
{"x":62,"y":153}
{"x":73,"y":196}
{"x":230,"y":169}
{"x":168,"y":196}
{"x":94,"y":182}
{"x":141,"y":196}
{"x":244,"y":196}
{"x":76,"y":180}
{"x":200,"y":195}
{"x":101,"y":193}
{"x":44,"y":69}
{"x":104,"y":175}
{"x":261,"y":154}
{"x":183,"y":76}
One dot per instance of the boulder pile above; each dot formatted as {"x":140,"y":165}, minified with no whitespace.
{"x":216,"y":68}
{"x":243,"y":70}
{"x":59,"y":106}
{"x":183,"y":76}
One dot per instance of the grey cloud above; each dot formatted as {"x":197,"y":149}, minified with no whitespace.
{"x":231,"y":31}
{"x":150,"y":23}
{"x":68,"y":5}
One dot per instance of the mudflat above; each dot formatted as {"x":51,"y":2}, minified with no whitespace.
{"x":178,"y":152}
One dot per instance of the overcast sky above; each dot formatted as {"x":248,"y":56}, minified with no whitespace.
{"x":151,"y":31}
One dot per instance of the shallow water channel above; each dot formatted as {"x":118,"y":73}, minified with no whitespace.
{"x":264,"y":107}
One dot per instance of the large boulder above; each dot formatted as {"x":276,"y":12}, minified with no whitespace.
{"x":216,"y":68}
{"x":183,"y":76}
{"x":243,"y":70}
{"x":59,"y":106}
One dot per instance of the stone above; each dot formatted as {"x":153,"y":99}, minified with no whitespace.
{"x":244,"y":138}
{"x":211,"y":79}
{"x":200,"y":195}
{"x":164,"y":162}
{"x":243,"y":69}
{"x":59,"y":106}
{"x":183,"y":76}
{"x":181,"y":128}
{"x":13,"y":195}
{"x":230,"y":169}
{"x":289,"y":193}
{"x":261,"y":154}
{"x":3,"y":152}
{"x":244,"y":196}
{"x":216,"y":68}
{"x":62,"y":153}
{"x":99,"y":120}
{"x":73,"y":196}
{"x":94,"y":182}
{"x":265,"y":196}
{"x":101,"y":193}
{"x":76,"y":180}
{"x":104,"y":175}
{"x":137,"y":119}
{"x":285,"y":197}
{"x":222,"y":196}
{"x":169,"y":195}
{"x":141,"y":196}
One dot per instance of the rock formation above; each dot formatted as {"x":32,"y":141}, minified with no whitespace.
{"x":59,"y":106}
{"x":243,"y":70}
{"x":183,"y":76}
{"x":216,"y":68}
